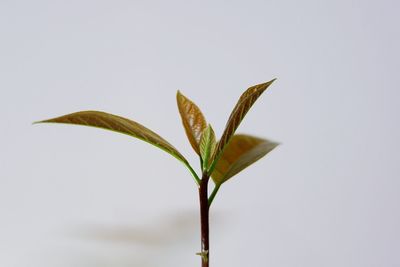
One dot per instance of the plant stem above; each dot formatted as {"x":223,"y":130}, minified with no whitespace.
{"x":212,"y":196}
{"x":204,"y":220}
{"x":194,"y":174}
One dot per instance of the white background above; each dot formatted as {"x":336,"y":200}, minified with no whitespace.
{"x":82,"y":197}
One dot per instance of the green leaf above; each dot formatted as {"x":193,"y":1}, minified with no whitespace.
{"x":192,"y":119}
{"x":121,"y":125}
{"x":241,"y":152}
{"x":245,"y":102}
{"x":208,"y":144}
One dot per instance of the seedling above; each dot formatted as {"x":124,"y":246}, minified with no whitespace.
{"x":220,"y":160}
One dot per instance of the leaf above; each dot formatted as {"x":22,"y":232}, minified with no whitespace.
{"x":245,"y":102}
{"x":192,"y":119}
{"x":207,"y":146}
{"x":122,"y":125}
{"x":241,"y":152}
{"x":118,"y":124}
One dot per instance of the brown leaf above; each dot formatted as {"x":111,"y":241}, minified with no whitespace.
{"x":118,"y":124}
{"x":192,"y":120}
{"x":241,"y":152}
{"x":245,"y":102}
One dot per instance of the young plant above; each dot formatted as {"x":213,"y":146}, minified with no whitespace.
{"x":220,"y":160}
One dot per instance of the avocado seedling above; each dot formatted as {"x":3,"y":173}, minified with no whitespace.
{"x":219,"y":160}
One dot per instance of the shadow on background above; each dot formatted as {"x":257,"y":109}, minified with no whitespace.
{"x":168,"y":241}
{"x":158,"y":233}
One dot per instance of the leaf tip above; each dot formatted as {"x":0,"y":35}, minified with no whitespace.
{"x":180,"y":98}
{"x":266,"y":84}
{"x":276,"y":144}
{"x":45,"y":121}
{"x":38,"y":122}
{"x":178,"y":94}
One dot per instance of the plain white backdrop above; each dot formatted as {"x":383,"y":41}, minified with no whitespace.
{"x":80,"y":197}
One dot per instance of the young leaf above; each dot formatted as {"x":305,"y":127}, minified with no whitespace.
{"x":192,"y":120}
{"x":122,"y":125}
{"x":207,"y":146}
{"x":245,"y":102}
{"x":241,"y":152}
